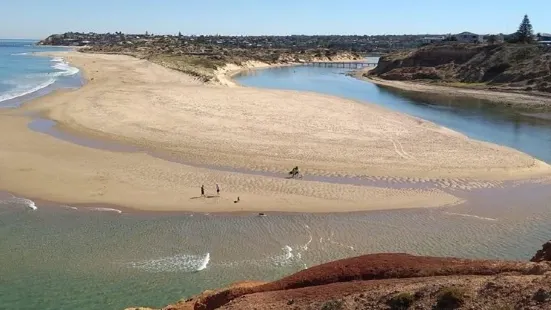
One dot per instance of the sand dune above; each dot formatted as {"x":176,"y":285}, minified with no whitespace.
{"x":140,"y":103}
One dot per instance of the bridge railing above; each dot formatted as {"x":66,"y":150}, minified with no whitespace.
{"x":338,"y":64}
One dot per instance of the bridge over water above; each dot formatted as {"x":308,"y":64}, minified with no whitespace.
{"x":341,"y":64}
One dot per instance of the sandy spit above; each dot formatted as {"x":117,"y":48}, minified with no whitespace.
{"x":140,"y":103}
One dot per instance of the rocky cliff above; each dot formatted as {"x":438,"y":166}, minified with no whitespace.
{"x":516,"y":67}
{"x":394,"y":281}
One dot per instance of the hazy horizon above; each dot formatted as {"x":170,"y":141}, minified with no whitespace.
{"x":35,"y":19}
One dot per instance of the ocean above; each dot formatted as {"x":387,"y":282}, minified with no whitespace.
{"x":56,"y":256}
{"x":24,"y":75}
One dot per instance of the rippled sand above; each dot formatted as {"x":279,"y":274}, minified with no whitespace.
{"x":158,"y":110}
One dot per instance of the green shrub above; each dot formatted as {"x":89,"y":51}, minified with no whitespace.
{"x":450,"y":298}
{"x":502,"y":307}
{"x":333,"y":305}
{"x":401,"y":301}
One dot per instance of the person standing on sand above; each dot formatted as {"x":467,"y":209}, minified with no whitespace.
{"x":202,"y":190}
{"x":217,"y":190}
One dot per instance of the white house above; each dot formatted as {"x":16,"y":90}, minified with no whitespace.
{"x":544,"y":38}
{"x":469,"y":37}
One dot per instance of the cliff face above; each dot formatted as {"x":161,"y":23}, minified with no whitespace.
{"x":524,"y":67}
{"x":394,"y":281}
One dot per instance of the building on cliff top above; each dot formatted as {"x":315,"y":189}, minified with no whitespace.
{"x":432,"y":39}
{"x":544,"y":38}
{"x":469,"y":37}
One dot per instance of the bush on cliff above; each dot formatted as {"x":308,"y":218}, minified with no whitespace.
{"x":333,"y":305}
{"x":401,"y":301}
{"x":450,"y":298}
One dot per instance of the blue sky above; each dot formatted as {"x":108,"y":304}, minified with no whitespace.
{"x":39,"y":18}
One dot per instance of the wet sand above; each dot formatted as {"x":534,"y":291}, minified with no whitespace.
{"x":41,"y":166}
{"x":159,"y":111}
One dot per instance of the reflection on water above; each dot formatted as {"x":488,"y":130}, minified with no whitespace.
{"x":476,"y":118}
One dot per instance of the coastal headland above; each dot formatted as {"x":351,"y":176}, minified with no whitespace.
{"x":243,"y":139}
{"x":514,"y":75}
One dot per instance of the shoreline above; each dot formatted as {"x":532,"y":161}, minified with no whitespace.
{"x":63,"y":81}
{"x":157,"y":178}
{"x":510,"y":98}
{"x":226,"y":75}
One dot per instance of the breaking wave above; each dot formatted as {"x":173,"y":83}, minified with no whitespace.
{"x":472,"y":216}
{"x":64,"y":69}
{"x":177,"y":263}
{"x":107,"y":210}
{"x":22,"y":90}
{"x":31,"y":83}
{"x":287,"y":258}
{"x":20,"y":201}
{"x":205,"y":263}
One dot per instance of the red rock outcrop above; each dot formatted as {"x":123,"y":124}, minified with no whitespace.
{"x":373,"y":267}
{"x":374,"y":281}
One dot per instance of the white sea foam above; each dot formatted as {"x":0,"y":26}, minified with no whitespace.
{"x":472,"y":216}
{"x":284,"y":259}
{"x":107,"y":210}
{"x":20,"y":54}
{"x":330,"y":239}
{"x":64,"y":68}
{"x":34,"y":82}
{"x":20,"y":201}
{"x":305,"y":246}
{"x":177,"y":263}
{"x":287,"y":258}
{"x":204,"y":263}
{"x":25,"y":90}
{"x":288,"y":252}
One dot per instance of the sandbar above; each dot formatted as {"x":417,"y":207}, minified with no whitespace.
{"x":135,"y":102}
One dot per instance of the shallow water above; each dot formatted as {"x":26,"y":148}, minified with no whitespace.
{"x":59,"y":257}
{"x":476,"y":118}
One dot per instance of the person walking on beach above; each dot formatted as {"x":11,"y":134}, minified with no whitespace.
{"x":217,"y":190}
{"x":202,"y":190}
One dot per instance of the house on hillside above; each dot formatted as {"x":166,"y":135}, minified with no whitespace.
{"x":469,"y":37}
{"x":494,"y":38}
{"x":544,"y":38}
{"x":433,"y":39}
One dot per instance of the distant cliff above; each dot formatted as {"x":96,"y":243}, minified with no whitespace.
{"x":393,"y":281}
{"x":517,"y":67}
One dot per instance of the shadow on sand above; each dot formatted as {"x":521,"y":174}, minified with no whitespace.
{"x":204,"y":197}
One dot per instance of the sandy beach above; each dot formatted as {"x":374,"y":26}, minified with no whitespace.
{"x":148,"y":106}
